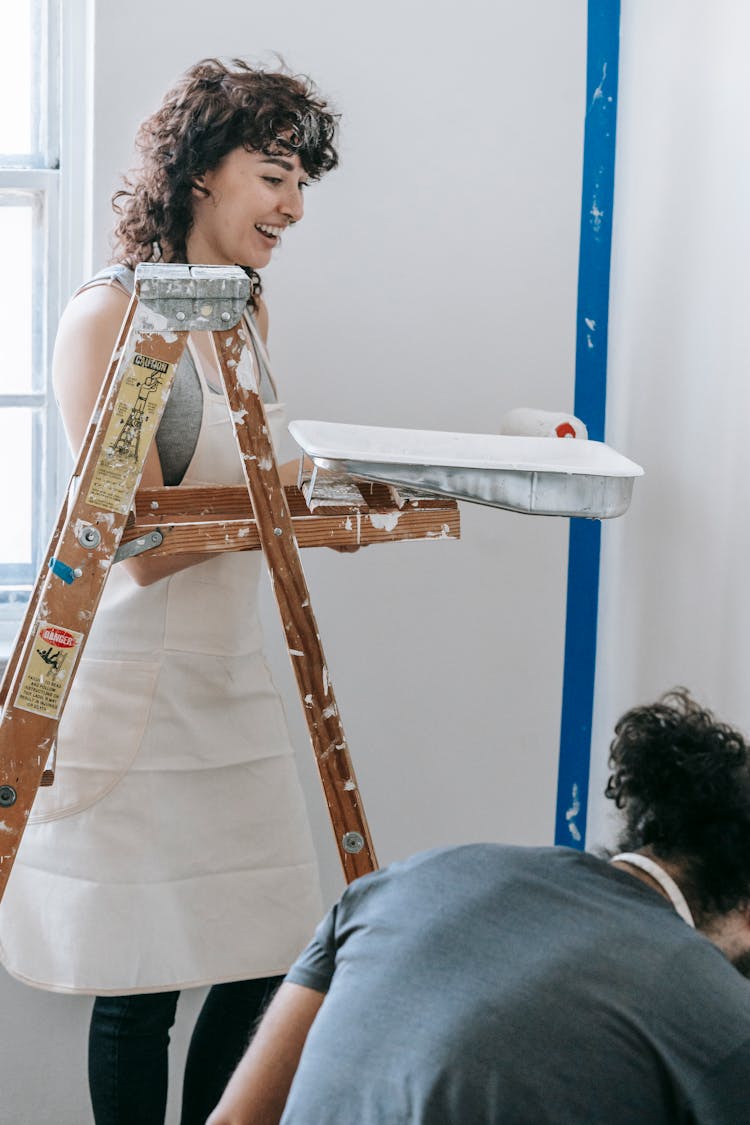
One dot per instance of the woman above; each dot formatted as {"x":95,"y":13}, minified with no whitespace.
{"x":174,"y":849}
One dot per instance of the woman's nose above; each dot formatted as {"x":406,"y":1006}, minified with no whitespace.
{"x":294,"y":205}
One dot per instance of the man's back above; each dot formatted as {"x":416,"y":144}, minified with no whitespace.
{"x":516,"y":985}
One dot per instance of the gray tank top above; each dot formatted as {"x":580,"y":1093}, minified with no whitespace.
{"x":177,"y":435}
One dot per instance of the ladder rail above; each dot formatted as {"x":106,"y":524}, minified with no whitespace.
{"x":276,"y":532}
{"x":63,"y":605}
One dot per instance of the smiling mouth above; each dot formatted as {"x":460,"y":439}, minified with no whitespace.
{"x":269,"y":232}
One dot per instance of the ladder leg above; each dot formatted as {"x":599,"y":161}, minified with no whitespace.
{"x":281,"y":552}
{"x":85,"y":539}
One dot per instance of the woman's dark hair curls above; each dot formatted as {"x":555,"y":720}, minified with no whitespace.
{"x":682,"y":780}
{"x":213,"y":109}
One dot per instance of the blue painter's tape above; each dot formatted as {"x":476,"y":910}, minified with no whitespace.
{"x":590,"y":405}
{"x":62,"y":570}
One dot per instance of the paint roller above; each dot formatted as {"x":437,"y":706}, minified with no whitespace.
{"x":525,"y":421}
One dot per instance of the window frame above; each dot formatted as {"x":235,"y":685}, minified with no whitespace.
{"x":58,"y":178}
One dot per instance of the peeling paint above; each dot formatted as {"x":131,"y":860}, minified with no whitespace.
{"x":246,"y":373}
{"x":599,"y":91}
{"x":572,"y":812}
{"x":385,"y":521}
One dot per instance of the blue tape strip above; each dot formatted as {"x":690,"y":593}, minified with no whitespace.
{"x":62,"y":570}
{"x":590,"y":405}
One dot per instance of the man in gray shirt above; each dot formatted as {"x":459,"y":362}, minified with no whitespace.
{"x":536,"y":986}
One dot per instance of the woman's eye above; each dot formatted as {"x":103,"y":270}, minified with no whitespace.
{"x":273,"y":179}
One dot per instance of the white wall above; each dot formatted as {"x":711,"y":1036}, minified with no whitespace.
{"x":674,"y":607}
{"x":432,"y":283}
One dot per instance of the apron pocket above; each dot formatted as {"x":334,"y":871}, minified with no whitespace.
{"x":100,"y":734}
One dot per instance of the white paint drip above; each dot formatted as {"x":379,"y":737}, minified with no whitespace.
{"x":599,"y":91}
{"x":330,"y":710}
{"x":325,"y":680}
{"x":265,"y":464}
{"x":444,"y":533}
{"x":385,"y":521}
{"x":308,"y":701}
{"x":590,"y":324}
{"x":350,"y":785}
{"x":246,"y":372}
{"x":4,"y":827}
{"x":572,"y":813}
{"x":243,"y":533}
{"x":295,"y":652}
{"x":107,"y":518}
{"x":238,"y":416}
{"x":348,"y":525}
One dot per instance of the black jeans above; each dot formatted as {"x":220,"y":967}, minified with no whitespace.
{"x":128,"y":1043}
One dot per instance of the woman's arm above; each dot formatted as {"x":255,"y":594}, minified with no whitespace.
{"x":258,"y":1089}
{"x":86,"y":337}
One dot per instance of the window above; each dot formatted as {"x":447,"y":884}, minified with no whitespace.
{"x":30,"y":437}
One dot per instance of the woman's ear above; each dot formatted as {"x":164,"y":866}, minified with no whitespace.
{"x":198,"y":184}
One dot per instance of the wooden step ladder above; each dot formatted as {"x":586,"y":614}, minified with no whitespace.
{"x":103,"y":520}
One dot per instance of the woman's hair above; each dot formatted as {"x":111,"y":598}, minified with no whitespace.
{"x":213,"y":109}
{"x":682,"y":780}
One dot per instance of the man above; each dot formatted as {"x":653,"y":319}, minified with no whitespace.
{"x":537,"y":986}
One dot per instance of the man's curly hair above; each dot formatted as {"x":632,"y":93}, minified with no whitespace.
{"x":682,"y":781}
{"x":213,"y":109}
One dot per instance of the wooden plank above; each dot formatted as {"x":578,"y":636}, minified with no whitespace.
{"x":215,"y":519}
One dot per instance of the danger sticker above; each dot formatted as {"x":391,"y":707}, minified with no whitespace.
{"x":140,"y":401}
{"x":48,"y":671}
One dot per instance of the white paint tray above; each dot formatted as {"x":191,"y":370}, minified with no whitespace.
{"x":538,"y":476}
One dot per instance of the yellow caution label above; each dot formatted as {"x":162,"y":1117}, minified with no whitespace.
{"x":140,"y":399}
{"x":48,"y":670}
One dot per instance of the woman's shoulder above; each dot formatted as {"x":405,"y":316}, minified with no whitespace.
{"x":115,"y":275}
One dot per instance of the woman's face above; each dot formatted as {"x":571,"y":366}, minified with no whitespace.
{"x":252,"y":199}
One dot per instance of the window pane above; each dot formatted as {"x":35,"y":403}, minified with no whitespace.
{"x":16,"y":223}
{"x":16,"y":44}
{"x":16,"y":505}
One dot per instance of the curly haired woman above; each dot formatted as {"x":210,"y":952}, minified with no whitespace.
{"x":174,"y":850}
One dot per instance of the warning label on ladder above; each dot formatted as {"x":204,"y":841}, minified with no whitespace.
{"x":142,"y":394}
{"x":48,"y":670}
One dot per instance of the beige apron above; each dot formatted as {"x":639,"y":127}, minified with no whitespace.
{"x":174,"y":848}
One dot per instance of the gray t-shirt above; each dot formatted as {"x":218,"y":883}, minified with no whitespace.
{"x":522,"y":986}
